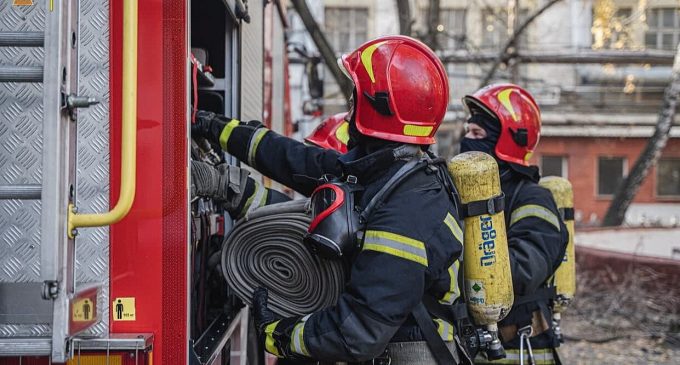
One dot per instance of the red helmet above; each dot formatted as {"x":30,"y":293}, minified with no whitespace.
{"x":518,"y":114}
{"x":332,"y":133}
{"x":402,"y":90}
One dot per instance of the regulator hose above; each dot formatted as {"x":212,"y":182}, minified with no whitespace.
{"x":265,"y":249}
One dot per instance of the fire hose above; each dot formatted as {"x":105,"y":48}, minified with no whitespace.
{"x":265,"y":249}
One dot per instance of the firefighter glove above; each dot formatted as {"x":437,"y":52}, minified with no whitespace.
{"x":276,"y":333}
{"x":262,"y":315}
{"x":208,"y":125}
{"x":225,"y":183}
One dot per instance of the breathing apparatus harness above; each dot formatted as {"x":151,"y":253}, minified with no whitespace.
{"x":524,"y":306}
{"x":337,"y":227}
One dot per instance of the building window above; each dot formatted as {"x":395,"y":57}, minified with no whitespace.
{"x":663,"y":28}
{"x":452,"y":33}
{"x":346,"y":28}
{"x":610,"y":172}
{"x":554,"y":166}
{"x":668,"y":177}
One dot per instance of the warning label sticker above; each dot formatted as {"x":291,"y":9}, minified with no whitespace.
{"x":83,"y":310}
{"x":123,"y":309}
{"x":22,"y":2}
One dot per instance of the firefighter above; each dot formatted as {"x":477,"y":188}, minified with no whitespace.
{"x":236,"y":190}
{"x":331,"y":133}
{"x":504,"y":121}
{"x":410,"y":241}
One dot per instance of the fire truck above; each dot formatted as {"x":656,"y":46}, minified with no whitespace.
{"x":104,"y":256}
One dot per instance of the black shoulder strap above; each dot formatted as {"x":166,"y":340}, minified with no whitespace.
{"x":450,"y":313}
{"x":512,"y":201}
{"x":413,"y":165}
{"x":435,"y":343}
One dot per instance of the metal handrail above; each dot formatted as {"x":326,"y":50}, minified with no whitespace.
{"x":128,"y":165}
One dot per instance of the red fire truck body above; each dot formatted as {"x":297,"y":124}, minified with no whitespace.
{"x":139,"y":302}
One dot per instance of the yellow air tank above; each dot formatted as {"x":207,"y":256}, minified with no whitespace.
{"x":486,"y":261}
{"x":565,"y":276}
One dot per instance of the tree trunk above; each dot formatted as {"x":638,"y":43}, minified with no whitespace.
{"x":504,"y":54}
{"x":628,"y":188}
{"x":404,"y":11}
{"x":432,"y":23}
{"x":324,"y":47}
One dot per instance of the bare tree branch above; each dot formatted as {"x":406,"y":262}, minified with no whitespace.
{"x":324,"y":47}
{"x":505,"y":55}
{"x":404,"y":11}
{"x":626,"y":191}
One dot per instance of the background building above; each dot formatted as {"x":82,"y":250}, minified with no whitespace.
{"x":597,"y":117}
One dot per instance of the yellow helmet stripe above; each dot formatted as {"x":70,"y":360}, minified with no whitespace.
{"x":504,"y":98}
{"x":367,"y":59}
{"x":417,"y":130}
{"x":342,"y":133}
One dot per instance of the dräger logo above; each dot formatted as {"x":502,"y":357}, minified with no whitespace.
{"x":488,"y":245}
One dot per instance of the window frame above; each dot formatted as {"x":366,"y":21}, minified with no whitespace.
{"x":656,"y":180}
{"x":333,"y":34}
{"x":564,"y":162}
{"x":624,"y":171}
{"x":659,"y":29}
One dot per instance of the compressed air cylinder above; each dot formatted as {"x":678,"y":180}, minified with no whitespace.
{"x":488,"y":280}
{"x":565,"y":276}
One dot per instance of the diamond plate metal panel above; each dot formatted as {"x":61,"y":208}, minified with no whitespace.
{"x":21,"y":114}
{"x":21,"y":110}
{"x":20,"y":150}
{"x":92,"y":177}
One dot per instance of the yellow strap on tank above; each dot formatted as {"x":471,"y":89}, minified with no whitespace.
{"x":396,"y":245}
{"x":537,"y":211}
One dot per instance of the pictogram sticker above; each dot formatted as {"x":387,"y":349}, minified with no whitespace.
{"x":83,"y":310}
{"x":22,"y":2}
{"x":123,"y":309}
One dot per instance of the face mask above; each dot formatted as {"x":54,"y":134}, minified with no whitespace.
{"x":332,"y":232}
{"x":482,"y":145}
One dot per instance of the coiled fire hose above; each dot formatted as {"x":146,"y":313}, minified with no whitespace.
{"x":265,"y":249}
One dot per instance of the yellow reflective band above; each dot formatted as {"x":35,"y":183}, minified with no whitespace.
{"x":254,"y":142}
{"x":454,"y":290}
{"x":396,"y":245}
{"x":226,"y":133}
{"x":417,"y":130}
{"x":504,"y":98}
{"x":342,"y":133}
{"x":454,"y":227}
{"x":367,"y":59}
{"x":445,"y":329}
{"x":541,"y":356}
{"x":259,"y":195}
{"x":270,"y":342}
{"x":297,"y":343}
{"x":537,"y":211}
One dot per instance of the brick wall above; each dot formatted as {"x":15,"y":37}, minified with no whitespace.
{"x":582,"y":155}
